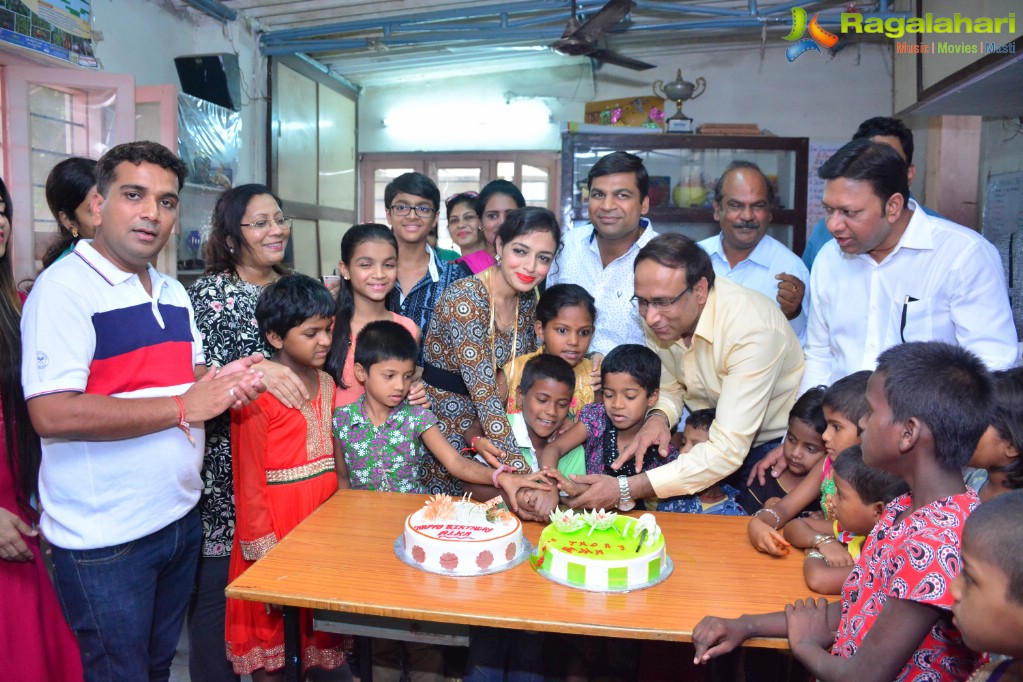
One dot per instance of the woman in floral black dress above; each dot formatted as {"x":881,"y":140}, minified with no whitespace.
{"x":244,"y":253}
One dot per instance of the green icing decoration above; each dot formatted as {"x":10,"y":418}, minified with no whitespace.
{"x":576,"y":574}
{"x":618,"y":577}
{"x":653,"y":569}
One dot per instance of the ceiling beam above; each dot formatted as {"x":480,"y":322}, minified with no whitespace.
{"x":526,"y":22}
{"x":217,"y":10}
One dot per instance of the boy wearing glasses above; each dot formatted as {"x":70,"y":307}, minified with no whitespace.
{"x":721,"y":346}
{"x":412,"y":200}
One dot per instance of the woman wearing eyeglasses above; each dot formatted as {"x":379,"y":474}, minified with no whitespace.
{"x":467,"y":232}
{"x":244,"y":253}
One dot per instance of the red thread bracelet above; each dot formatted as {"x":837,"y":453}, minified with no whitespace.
{"x":182,"y":424}
{"x":504,"y":468}
{"x":472,"y":442}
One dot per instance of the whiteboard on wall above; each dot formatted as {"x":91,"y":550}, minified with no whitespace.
{"x":1003,"y":206}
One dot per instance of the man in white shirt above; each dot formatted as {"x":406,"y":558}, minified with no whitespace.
{"x":111,"y":367}
{"x":599,"y":256}
{"x":895,"y":274}
{"x":744,"y":252}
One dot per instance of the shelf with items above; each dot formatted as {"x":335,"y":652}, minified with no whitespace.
{"x":683,"y":170}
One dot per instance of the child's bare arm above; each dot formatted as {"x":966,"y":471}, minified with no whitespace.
{"x":820,"y":577}
{"x":474,"y":472}
{"x":766,"y":539}
{"x":713,"y":637}
{"x":484,"y":447}
{"x":897,"y":632}
{"x":808,"y":490}
{"x":341,"y":467}
{"x":474,"y":431}
{"x":803,"y":532}
{"x":771,"y":541}
{"x":595,"y":361}
{"x":570,"y":488}
{"x":552,"y":453}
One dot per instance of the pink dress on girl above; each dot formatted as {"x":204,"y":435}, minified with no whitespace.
{"x":477,"y":261}
{"x":347,"y":396}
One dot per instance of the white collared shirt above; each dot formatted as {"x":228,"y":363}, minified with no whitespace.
{"x":769,"y":258}
{"x":431,"y":270}
{"x":942,"y":282}
{"x":520,"y":432}
{"x":612,"y":287}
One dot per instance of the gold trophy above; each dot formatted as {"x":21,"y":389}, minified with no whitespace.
{"x":680,"y":90}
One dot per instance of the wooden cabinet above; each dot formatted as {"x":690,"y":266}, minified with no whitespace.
{"x":683,"y":169}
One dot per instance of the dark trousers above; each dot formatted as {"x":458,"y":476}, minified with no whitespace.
{"x":207,"y":655}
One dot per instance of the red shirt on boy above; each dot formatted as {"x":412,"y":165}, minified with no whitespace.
{"x":915,"y":560}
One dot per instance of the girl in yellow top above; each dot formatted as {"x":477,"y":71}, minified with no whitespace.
{"x":565,"y":316}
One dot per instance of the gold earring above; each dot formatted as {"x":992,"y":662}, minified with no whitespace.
{"x":74,"y":232}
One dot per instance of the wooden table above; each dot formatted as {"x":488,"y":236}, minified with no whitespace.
{"x":341,"y":559}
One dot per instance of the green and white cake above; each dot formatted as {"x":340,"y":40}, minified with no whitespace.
{"x":602,"y":551}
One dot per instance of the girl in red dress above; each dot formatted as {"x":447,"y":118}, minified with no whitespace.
{"x":283,"y":464}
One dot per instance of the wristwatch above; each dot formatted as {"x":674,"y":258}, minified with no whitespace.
{"x":625,"y":501}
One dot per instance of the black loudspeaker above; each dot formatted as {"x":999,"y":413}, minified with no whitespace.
{"x":212,"y":77}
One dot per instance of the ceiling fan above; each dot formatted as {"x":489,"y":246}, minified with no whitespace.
{"x":581,"y":40}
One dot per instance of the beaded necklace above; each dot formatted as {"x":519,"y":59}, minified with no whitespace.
{"x":610,"y":448}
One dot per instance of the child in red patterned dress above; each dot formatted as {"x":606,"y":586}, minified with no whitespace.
{"x":283,"y":465}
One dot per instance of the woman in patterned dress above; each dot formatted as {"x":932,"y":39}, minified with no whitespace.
{"x":479,"y":324}
{"x":244,"y":252}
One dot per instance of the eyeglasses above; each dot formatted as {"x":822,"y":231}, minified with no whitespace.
{"x":264,"y":223}
{"x":422,"y":210}
{"x":657,"y":304}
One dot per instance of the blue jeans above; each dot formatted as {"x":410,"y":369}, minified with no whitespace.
{"x":126,"y":603}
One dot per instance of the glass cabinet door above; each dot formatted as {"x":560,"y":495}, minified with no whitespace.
{"x":683,"y":172}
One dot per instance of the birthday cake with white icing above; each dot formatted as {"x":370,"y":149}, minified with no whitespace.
{"x":601,"y":551}
{"x":461,"y":537}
